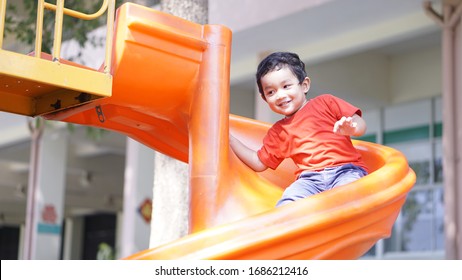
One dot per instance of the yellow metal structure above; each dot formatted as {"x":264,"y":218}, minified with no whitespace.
{"x":40,"y":83}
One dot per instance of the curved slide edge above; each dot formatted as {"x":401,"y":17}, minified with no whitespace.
{"x":342,"y":223}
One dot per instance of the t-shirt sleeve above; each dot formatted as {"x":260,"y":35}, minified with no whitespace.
{"x":344,"y":108}
{"x":269,"y":153}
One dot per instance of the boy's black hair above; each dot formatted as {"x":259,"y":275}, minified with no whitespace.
{"x":278,"y":60}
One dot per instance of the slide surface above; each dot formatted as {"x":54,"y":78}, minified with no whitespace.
{"x":171,"y":93}
{"x":343,"y":223}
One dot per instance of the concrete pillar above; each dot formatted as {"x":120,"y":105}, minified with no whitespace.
{"x":458,"y":97}
{"x":136,"y":218}
{"x":450,"y":21}
{"x":192,"y":10}
{"x":45,"y":196}
{"x":171,"y":177}
{"x":170,"y":211}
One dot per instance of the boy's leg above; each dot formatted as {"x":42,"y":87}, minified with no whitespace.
{"x":308,"y":184}
{"x":311,"y":183}
{"x":346,"y":174}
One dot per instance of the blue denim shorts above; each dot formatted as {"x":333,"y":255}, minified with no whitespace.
{"x":313,"y":182}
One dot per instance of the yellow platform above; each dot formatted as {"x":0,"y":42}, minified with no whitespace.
{"x":34,"y":85}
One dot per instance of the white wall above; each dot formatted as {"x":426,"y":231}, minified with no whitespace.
{"x":361,"y":79}
{"x":415,"y":75}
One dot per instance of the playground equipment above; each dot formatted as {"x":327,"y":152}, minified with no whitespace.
{"x":41,"y":83}
{"x":170,"y":91}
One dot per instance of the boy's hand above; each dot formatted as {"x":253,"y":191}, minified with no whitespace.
{"x":345,"y":126}
{"x":246,"y":154}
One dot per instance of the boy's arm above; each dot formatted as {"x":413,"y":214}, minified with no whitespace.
{"x":247,"y":155}
{"x":351,"y":126}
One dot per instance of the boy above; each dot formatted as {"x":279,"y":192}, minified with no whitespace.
{"x":314,"y":133}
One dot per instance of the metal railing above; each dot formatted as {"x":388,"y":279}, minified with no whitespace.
{"x":60,"y":11}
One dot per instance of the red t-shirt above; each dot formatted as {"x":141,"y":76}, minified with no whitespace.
{"x":307,"y":137}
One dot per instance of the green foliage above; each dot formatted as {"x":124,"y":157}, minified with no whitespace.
{"x":21,"y":22}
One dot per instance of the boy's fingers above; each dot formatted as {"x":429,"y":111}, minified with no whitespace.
{"x":345,"y":123}
{"x":336,"y":127}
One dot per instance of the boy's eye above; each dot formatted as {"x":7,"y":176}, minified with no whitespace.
{"x":287,"y":86}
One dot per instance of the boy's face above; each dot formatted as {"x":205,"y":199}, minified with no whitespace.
{"x":283,"y":92}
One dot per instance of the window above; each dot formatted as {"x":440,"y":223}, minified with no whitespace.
{"x":418,"y":232}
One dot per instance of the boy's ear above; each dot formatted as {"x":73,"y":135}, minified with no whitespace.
{"x":306,"y":83}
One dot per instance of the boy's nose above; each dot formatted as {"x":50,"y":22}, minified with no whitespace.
{"x":280,"y":94}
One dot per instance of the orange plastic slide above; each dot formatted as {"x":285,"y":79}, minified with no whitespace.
{"x":171,"y":93}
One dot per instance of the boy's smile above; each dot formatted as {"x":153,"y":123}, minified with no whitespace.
{"x":283,"y":92}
